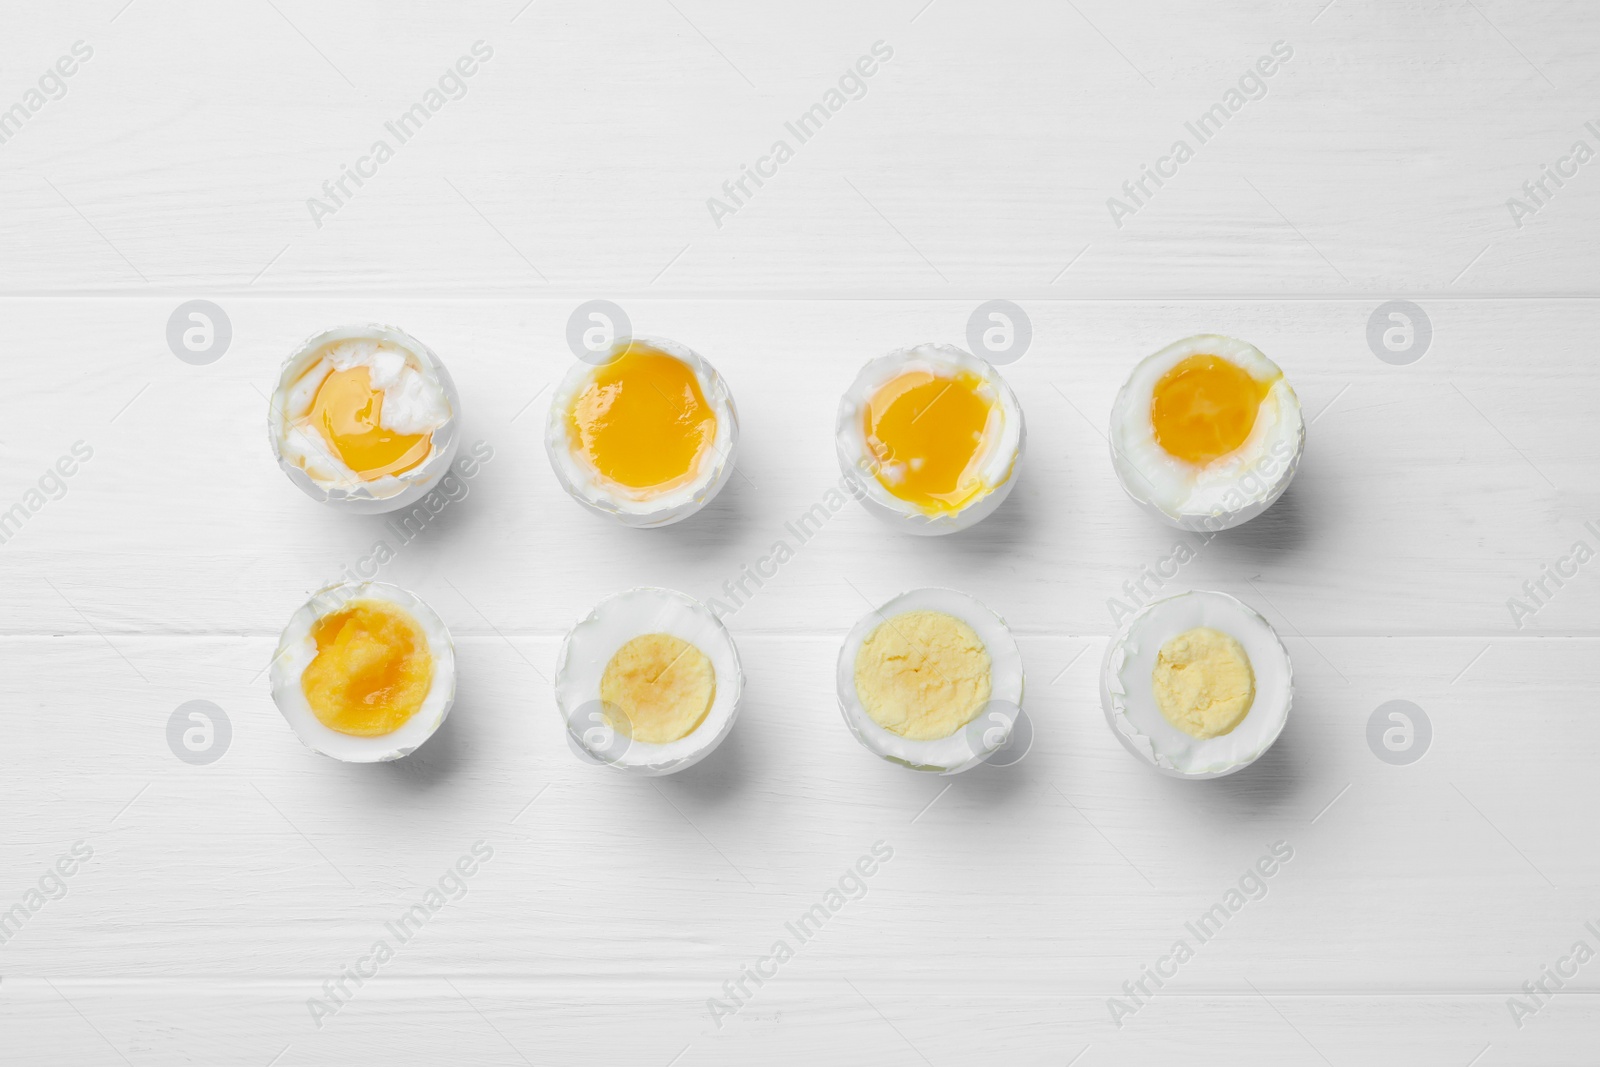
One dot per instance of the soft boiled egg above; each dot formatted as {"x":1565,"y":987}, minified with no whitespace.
{"x":365,"y":672}
{"x":933,"y":436}
{"x":931,"y":680}
{"x":1197,"y":684}
{"x":647,"y":436}
{"x":648,"y":682}
{"x":364,"y":418}
{"x":1206,"y":433}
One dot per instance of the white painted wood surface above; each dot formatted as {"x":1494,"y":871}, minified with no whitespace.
{"x":1377,"y":166}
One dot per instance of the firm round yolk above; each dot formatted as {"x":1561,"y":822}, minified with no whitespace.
{"x":372,"y":670}
{"x":641,"y":420}
{"x":658,"y":688}
{"x":348,"y":413}
{"x":926,"y":433}
{"x":1205,"y":407}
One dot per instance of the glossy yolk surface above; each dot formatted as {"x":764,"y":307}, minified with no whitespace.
{"x":641,"y":421}
{"x":372,"y":670}
{"x":658,"y":688}
{"x":1205,"y":407}
{"x":348,"y":413}
{"x":926,"y":434}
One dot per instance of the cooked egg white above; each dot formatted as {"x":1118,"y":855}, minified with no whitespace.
{"x":934,"y":437}
{"x":648,"y":682}
{"x":647,"y":437}
{"x":364,"y":672}
{"x":1197,"y":684}
{"x":931,"y":680}
{"x":1207,"y":433}
{"x":364,"y":418}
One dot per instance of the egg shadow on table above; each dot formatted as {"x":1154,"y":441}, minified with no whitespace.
{"x":1269,"y":788}
{"x":1281,"y":531}
{"x":997,"y":541}
{"x":716,"y":779}
{"x":717,"y":526}
{"x":437,"y":760}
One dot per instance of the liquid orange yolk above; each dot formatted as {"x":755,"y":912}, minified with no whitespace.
{"x":641,"y":421}
{"x":1205,"y":407}
{"x":348,"y":413}
{"x":926,"y":434}
{"x":372,"y":670}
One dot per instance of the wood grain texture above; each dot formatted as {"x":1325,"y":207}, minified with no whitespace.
{"x":1019,"y":900}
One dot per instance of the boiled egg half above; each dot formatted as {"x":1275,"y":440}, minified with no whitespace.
{"x":365,"y":672}
{"x":1197,"y":685}
{"x":364,"y":418}
{"x":648,"y":682}
{"x":931,"y":680}
{"x":1207,"y":433}
{"x":646,"y":436}
{"x":933,"y":437}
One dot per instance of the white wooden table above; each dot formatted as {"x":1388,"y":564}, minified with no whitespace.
{"x":219,"y":898}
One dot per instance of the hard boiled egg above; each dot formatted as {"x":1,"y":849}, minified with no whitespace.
{"x":648,"y":682}
{"x":647,"y":436}
{"x":1206,"y":433}
{"x":931,"y":680}
{"x":365,"y":672}
{"x":1198,"y":685}
{"x":933,"y":436}
{"x":364,"y":418}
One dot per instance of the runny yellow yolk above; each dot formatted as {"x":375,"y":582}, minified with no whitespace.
{"x":926,"y":434}
{"x":348,"y":413}
{"x":641,"y":421}
{"x":1205,"y":407}
{"x":372,"y":670}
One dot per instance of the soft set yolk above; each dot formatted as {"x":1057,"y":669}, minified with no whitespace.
{"x":348,"y":413}
{"x":372,"y":670}
{"x":641,"y":420}
{"x":926,"y":433}
{"x":1205,"y":407}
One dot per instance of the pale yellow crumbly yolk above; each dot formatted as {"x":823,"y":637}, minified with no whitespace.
{"x":923,"y":675}
{"x":372,"y":670}
{"x":348,"y":413}
{"x":926,"y":434}
{"x":1205,"y":407}
{"x":657,"y":688}
{"x":1203,"y":683}
{"x":641,"y":421}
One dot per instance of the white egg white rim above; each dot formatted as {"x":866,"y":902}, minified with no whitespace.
{"x":1132,"y":406}
{"x":588,"y":488}
{"x":380,"y":494}
{"x":998,"y":467}
{"x":579,"y":671}
{"x":961,"y":750}
{"x":296,"y":650}
{"x":1152,"y":740}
